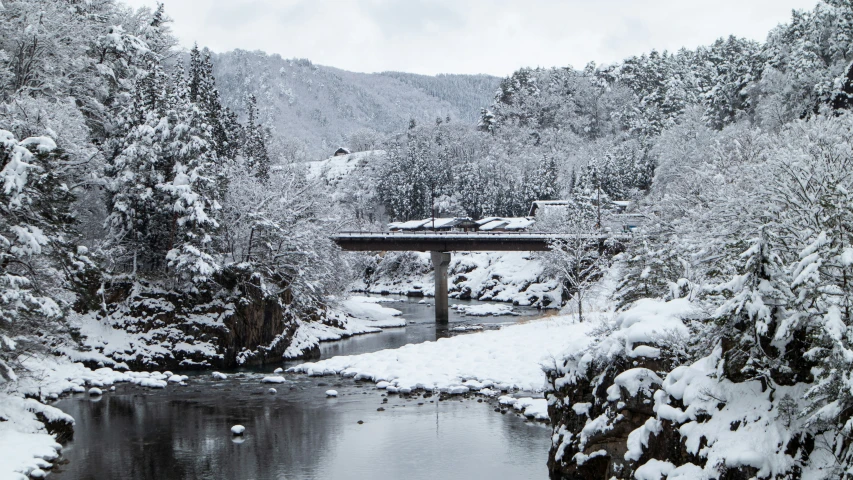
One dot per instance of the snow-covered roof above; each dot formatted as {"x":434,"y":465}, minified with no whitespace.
{"x":537,"y":204}
{"x":427,"y":223}
{"x":510,"y":223}
{"x":410,"y":225}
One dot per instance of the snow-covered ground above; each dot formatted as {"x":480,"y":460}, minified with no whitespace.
{"x":508,"y":358}
{"x":334,"y":169}
{"x":354,"y":316}
{"x":514,"y":277}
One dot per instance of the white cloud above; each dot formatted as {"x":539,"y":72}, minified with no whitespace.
{"x":468,"y":36}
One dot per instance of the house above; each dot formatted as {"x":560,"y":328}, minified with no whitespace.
{"x":618,"y":206}
{"x":341,"y":151}
{"x":459,"y":224}
{"x":539,"y":205}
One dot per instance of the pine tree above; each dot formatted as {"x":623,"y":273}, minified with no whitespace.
{"x":37,"y":257}
{"x":255,"y":149}
{"x":163,"y":200}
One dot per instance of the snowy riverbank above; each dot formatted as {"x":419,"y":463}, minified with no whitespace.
{"x":515,"y":277}
{"x":509,"y":358}
{"x":30,"y":428}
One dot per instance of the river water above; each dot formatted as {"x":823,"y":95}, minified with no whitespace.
{"x":298,"y":433}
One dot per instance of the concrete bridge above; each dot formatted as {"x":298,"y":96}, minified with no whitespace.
{"x":441,"y":244}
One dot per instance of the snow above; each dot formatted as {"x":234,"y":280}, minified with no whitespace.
{"x":510,"y":357}
{"x":22,"y":453}
{"x":633,"y":381}
{"x":219,"y":376}
{"x":355,"y":315}
{"x":369,"y":310}
{"x":273,"y":379}
{"x":506,"y":223}
{"x":530,"y":407}
{"x":238,"y":430}
{"x":514,"y":277}
{"x":331,"y":393}
{"x":334,"y":169}
{"x":484,"y":310}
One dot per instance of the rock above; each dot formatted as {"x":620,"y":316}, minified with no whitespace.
{"x":360,"y":422}
{"x":238,"y":430}
{"x":219,"y":376}
{"x":380,"y":409}
{"x":272,"y":391}
{"x":278,"y":370}
{"x":273,"y":379}
{"x":331,"y":393}
{"x":95,"y":391}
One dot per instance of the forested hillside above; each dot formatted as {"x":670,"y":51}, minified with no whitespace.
{"x":155,"y":213}
{"x":312,"y":110}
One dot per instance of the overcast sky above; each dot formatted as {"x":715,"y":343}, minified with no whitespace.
{"x":467,"y":36}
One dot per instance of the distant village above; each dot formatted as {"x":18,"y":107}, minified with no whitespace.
{"x":619,"y":217}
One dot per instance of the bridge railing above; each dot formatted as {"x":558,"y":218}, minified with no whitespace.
{"x":519,"y":235}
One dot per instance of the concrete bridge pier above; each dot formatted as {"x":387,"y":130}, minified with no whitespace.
{"x":440,"y":261}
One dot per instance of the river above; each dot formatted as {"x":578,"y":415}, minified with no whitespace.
{"x":298,"y":433}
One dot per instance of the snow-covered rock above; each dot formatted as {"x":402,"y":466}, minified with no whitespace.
{"x":272,"y":391}
{"x":278,"y":370}
{"x":273,"y":379}
{"x":95,"y":391}
{"x":238,"y":430}
{"x":331,"y":393}
{"x":219,"y":375}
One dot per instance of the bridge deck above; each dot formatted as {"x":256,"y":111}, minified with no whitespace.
{"x":451,"y":242}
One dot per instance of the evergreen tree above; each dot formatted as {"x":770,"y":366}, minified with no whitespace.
{"x":254,"y":148}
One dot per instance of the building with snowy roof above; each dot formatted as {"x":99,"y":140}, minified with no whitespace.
{"x":456,"y":224}
{"x":505,"y":224}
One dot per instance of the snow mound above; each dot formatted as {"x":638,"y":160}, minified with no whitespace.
{"x":273,"y":379}
{"x":369,"y":310}
{"x":507,"y":358}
